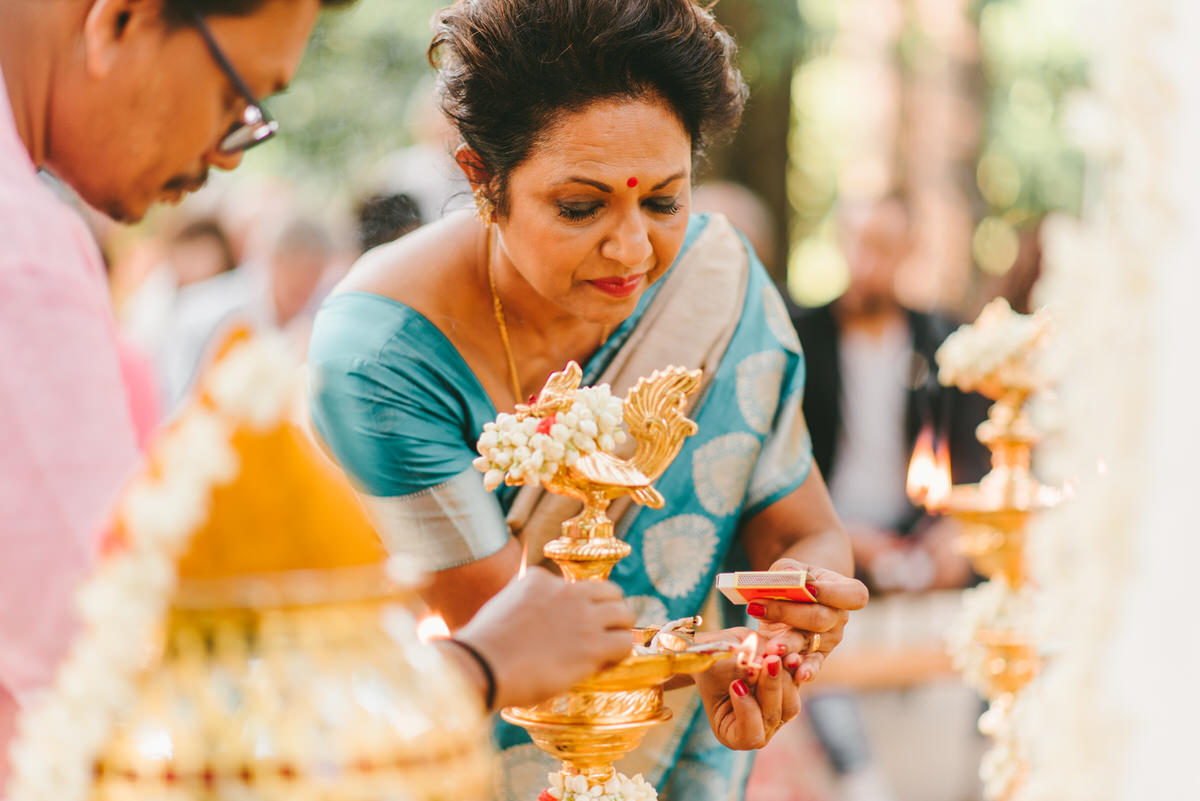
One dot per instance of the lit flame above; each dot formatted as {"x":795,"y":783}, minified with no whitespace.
{"x":928,"y":482}
{"x":432,"y":627}
{"x":524,"y":561}
{"x":746,"y":652}
{"x":939,"y":488}
{"x":921,"y":468}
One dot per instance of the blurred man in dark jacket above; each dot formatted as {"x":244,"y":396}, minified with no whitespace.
{"x":871,"y":390}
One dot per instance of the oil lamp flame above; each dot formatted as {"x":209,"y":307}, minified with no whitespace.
{"x":432,"y":627}
{"x":921,"y":468}
{"x":939,"y":490}
{"x":746,"y":652}
{"x":928,"y":483}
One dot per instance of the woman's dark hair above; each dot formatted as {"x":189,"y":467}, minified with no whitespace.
{"x":180,"y":12}
{"x":507,"y":68}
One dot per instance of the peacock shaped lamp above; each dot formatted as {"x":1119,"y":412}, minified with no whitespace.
{"x":606,"y":716}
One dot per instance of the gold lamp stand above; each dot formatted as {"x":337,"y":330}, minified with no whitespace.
{"x":995,"y":514}
{"x":605,"y":717}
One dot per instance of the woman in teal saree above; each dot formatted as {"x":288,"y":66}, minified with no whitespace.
{"x":580,"y":124}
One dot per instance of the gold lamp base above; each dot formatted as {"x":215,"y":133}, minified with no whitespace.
{"x":589,"y":751}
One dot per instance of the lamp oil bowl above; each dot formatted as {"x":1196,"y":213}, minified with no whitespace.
{"x":1010,"y":661}
{"x":605,"y":717}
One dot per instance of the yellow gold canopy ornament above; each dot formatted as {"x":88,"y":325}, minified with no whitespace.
{"x":246,"y":635}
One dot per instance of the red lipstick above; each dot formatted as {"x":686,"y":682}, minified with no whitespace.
{"x":618,"y":287}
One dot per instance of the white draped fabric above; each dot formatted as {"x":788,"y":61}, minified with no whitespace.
{"x":1114,"y":716}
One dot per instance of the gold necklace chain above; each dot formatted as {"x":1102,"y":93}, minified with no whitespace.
{"x":498,"y":310}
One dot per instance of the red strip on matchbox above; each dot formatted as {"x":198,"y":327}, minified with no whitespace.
{"x":765,"y":585}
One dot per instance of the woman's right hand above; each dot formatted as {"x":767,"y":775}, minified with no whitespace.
{"x":541,"y":635}
{"x":745,"y":707}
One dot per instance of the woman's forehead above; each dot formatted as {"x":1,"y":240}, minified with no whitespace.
{"x":643,"y":138}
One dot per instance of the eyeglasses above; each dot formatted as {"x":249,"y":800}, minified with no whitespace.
{"x":256,"y":126}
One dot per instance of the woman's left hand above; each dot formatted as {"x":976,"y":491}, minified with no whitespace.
{"x":803,"y":634}
{"x":746,"y":707}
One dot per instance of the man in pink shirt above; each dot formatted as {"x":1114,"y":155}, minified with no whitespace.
{"x":129,"y":102}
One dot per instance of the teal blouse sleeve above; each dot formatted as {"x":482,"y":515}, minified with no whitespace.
{"x":400,"y":410}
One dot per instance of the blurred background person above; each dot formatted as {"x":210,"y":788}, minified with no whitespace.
{"x":385,"y":218}
{"x":275,"y":292}
{"x":871,"y":393}
{"x":169,"y":314}
{"x":748,"y":212}
{"x":200,"y":251}
{"x":870,"y":390}
{"x":299,"y":261}
{"x":197,"y":251}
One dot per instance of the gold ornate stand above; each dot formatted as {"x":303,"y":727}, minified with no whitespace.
{"x":288,"y":665}
{"x":994,"y":514}
{"x":335,"y":700}
{"x":607,"y":716}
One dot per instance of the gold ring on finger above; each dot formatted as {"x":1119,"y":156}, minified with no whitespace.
{"x":814,"y":644}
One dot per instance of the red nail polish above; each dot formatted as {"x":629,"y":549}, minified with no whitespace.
{"x":756,"y":609}
{"x":772,"y":667}
{"x":807,"y":675}
{"x":812,"y":589}
{"x":740,"y":689}
{"x":781,"y":649}
{"x":793,"y":661}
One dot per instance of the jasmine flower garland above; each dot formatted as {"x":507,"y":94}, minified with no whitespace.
{"x":523,"y":447}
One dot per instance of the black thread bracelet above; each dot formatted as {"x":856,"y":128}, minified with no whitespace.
{"x":489,"y":697}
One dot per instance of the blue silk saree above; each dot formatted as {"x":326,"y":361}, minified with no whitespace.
{"x":401,"y":411}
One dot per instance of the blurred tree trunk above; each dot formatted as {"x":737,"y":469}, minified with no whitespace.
{"x":768,"y":33}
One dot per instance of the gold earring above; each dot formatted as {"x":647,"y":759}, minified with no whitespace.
{"x":484,"y":207}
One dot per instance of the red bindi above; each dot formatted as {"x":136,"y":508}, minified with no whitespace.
{"x":632,"y":182}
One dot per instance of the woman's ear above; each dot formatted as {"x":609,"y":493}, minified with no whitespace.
{"x":478,"y":175}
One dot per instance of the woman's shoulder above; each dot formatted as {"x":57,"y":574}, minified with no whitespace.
{"x":414,"y":269}
{"x":393,"y":295}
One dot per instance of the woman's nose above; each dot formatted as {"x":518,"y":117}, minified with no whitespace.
{"x":629,"y":242}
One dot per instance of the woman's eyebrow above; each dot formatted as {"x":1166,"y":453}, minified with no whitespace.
{"x":668,"y":180}
{"x":574,"y":179}
{"x":603,"y":187}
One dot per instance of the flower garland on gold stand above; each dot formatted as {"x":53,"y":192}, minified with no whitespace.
{"x":993,"y":641}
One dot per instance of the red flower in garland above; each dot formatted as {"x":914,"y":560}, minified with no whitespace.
{"x":544,"y":428}
{"x":545,"y":796}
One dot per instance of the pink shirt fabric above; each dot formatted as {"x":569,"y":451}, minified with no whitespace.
{"x":67,"y":439}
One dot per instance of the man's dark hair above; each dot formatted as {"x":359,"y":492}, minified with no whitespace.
{"x":384,"y":218}
{"x":180,"y":12}
{"x":509,"y":68}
